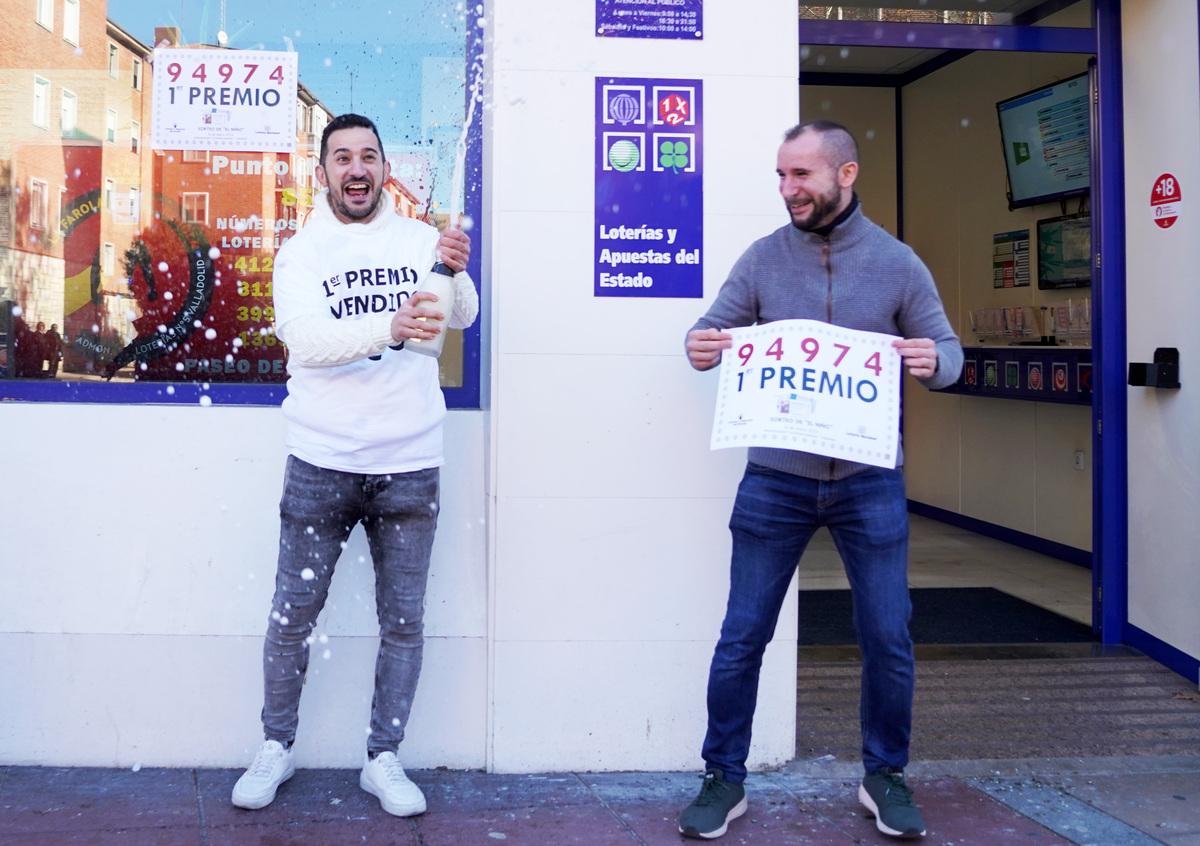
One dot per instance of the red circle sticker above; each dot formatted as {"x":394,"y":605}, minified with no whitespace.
{"x":1166,"y":201}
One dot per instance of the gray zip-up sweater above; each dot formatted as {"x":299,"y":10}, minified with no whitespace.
{"x":859,"y":277}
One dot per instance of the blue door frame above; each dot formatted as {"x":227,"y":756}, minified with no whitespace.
{"x":1110,"y":506}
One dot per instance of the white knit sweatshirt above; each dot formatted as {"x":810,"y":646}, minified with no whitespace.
{"x":354,"y":403}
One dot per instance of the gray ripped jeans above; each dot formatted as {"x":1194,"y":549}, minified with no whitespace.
{"x":318,"y":510}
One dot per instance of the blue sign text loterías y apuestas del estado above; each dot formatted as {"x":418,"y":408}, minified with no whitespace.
{"x":649,"y":188}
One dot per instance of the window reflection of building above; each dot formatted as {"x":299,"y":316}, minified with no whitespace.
{"x":41,"y":102}
{"x":70,"y":112}
{"x":45,"y":13}
{"x":55,"y":166}
{"x":38,"y":203}
{"x":71,"y":21}
{"x":195,"y":207}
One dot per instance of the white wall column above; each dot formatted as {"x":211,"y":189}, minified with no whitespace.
{"x":1161,"y":59}
{"x":610,"y":563}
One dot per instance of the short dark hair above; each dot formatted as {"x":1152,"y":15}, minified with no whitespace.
{"x":836,"y":139}
{"x":348,"y":121}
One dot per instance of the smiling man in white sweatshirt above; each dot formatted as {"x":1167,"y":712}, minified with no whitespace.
{"x":364,"y":436}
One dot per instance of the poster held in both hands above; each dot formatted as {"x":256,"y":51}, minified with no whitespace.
{"x":812,"y":387}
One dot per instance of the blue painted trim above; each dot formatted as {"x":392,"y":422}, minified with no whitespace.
{"x":1044,"y":39}
{"x":1031,"y":542}
{"x":1162,"y":652}
{"x":899,"y":129}
{"x":142,"y":393}
{"x":468,"y":396}
{"x":1110,"y":482}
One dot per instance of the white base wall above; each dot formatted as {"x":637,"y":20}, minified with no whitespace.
{"x":171,"y":701}
{"x":620,"y":705}
{"x":138,"y":567}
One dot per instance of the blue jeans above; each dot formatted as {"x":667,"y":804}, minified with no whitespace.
{"x":318,"y":510}
{"x":774,"y":517}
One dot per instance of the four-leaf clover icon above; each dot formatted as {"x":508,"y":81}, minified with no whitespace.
{"x":673,"y":154}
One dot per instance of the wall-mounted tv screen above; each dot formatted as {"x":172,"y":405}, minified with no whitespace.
{"x":1064,"y":251}
{"x":1047,"y":141}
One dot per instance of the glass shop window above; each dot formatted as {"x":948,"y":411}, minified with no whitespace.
{"x":157,"y":262}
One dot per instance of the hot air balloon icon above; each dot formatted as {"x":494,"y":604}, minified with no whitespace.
{"x":624,"y":108}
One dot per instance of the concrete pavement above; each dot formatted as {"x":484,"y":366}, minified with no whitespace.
{"x":1127,"y":801}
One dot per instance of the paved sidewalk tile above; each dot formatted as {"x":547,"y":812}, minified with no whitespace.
{"x":1165,"y":806}
{"x":578,"y":825}
{"x":1073,"y":818}
{"x":474,"y":807}
{"x":308,"y":796}
{"x":128,"y":837}
{"x":650,"y":806}
{"x":43,"y":806}
{"x":86,"y":799}
{"x":457,"y":791}
{"x":954,"y":813}
{"x":392,"y":831}
{"x":328,"y":807}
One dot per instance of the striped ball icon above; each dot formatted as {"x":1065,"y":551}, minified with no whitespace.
{"x":623,"y":155}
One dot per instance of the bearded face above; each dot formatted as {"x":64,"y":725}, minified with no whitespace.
{"x":814,"y":188}
{"x":354,"y":171}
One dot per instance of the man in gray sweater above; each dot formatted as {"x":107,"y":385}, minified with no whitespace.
{"x":834,"y":265}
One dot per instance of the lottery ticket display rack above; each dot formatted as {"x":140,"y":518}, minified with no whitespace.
{"x":1039,"y":374}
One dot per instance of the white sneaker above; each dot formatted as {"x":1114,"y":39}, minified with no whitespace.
{"x":272,"y":766}
{"x":385,"y":778}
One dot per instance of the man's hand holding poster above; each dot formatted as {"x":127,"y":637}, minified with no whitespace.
{"x":813,"y":387}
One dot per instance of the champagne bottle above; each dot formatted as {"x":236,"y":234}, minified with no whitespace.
{"x":440,"y":282}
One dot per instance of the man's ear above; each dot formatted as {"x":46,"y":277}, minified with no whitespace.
{"x":320,"y":172}
{"x":847,"y":174}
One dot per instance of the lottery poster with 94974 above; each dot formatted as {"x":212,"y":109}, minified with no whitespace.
{"x":812,"y":387}
{"x":232,"y":181}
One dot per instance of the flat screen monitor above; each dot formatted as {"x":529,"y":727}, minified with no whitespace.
{"x":1047,"y":141}
{"x":1064,"y":251}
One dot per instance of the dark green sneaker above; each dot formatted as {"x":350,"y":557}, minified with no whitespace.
{"x":887,"y":797}
{"x":709,"y":814}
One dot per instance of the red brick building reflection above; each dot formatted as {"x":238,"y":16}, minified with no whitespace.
{"x":75,"y":109}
